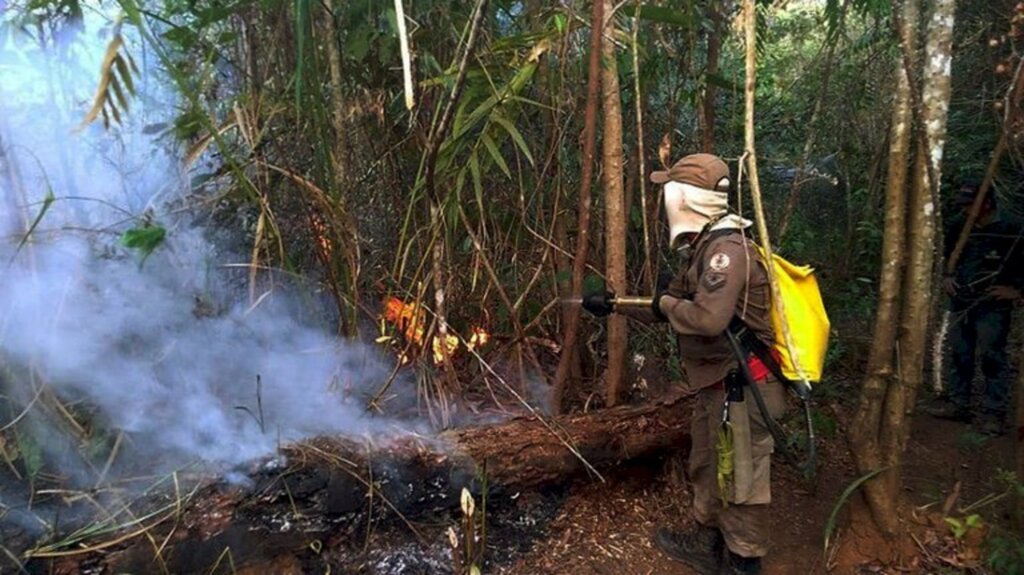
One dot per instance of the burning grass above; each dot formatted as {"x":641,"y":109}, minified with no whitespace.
{"x":410,"y":319}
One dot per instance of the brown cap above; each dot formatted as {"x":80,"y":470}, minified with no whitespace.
{"x":702,"y":170}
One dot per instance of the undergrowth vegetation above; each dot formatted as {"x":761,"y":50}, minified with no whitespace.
{"x":307,"y":160}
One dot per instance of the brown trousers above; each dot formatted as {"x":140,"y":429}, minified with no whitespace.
{"x":745,"y":521}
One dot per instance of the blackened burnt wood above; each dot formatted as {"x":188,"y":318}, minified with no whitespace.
{"x":321,"y":490}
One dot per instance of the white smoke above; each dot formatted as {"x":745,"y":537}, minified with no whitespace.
{"x":159,"y":348}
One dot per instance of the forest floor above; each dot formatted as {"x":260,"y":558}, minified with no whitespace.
{"x":592,"y":527}
{"x":606,"y":528}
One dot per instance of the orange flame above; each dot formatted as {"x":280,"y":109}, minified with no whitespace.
{"x":412,"y":322}
{"x":478,"y":339}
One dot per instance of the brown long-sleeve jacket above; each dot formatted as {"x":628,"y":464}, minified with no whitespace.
{"x":724,"y":278}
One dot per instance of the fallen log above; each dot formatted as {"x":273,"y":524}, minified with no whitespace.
{"x":328,"y":490}
{"x":523,"y":453}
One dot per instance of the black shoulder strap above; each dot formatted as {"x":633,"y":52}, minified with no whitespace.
{"x":743,"y":339}
{"x":754,"y":345}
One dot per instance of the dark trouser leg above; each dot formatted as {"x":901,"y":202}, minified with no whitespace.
{"x":993,"y":328}
{"x":962,"y":338}
{"x":707,"y":416}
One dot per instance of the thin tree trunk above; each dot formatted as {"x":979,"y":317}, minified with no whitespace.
{"x":648,"y":270}
{"x":812,"y":131}
{"x":1012,"y":107}
{"x":436,"y":213}
{"x":707,"y":102}
{"x":572,"y":319}
{"x":750,"y":153}
{"x":881,"y":366}
{"x":339,"y":147}
{"x":615,"y":213}
{"x":340,"y":169}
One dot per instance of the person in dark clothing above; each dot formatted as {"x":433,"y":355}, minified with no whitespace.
{"x":983,"y":289}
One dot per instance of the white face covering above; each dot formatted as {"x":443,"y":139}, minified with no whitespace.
{"x":690,"y":208}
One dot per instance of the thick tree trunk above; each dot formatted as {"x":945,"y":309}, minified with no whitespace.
{"x":615,"y":213}
{"x":915,"y":318}
{"x":320,"y":490}
{"x":922,"y":224}
{"x":882,"y":423}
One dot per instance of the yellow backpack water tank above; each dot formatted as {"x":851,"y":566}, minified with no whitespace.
{"x":806,"y":317}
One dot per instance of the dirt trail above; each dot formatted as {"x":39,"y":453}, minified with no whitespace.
{"x":605,"y":529}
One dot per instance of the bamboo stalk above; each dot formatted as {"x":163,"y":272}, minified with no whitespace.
{"x":403,"y":43}
{"x":493,"y":275}
{"x":648,"y":265}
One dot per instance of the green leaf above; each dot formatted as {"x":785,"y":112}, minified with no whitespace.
{"x":213,"y":15}
{"x":516,"y":136}
{"x":592,"y":283}
{"x":559,"y":22}
{"x":665,"y":15}
{"x":358,"y":44}
{"x":47,"y":202}
{"x":478,"y":185}
{"x":145,"y":239}
{"x":492,"y":148}
{"x":392,"y":20}
{"x":131,"y":9}
{"x":830,"y":525}
{"x":721,"y":81}
{"x":460,"y":182}
{"x":126,"y":75}
{"x":31,"y":454}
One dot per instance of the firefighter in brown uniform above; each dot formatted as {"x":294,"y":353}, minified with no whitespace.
{"x":720,"y":277}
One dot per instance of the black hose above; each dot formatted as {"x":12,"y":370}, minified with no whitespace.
{"x":781,"y":441}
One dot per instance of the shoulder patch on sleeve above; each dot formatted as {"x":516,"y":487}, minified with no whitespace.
{"x":714,"y":280}
{"x":719,"y":261}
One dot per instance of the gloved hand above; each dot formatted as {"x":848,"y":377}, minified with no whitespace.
{"x":599,"y":304}
{"x":664,"y":279}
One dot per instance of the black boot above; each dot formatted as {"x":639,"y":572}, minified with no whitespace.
{"x":700,"y":550}
{"x":739,"y":565}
